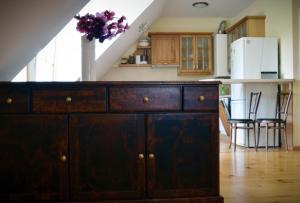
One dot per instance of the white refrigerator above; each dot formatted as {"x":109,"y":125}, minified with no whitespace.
{"x":252,"y":58}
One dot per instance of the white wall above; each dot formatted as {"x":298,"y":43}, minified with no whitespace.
{"x":186,"y":25}
{"x":146,"y":74}
{"x":296,"y":90}
{"x":278,"y":24}
{"x":27,"y":26}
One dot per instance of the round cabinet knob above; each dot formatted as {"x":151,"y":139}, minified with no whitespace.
{"x":141,"y":156}
{"x":151,"y":156}
{"x":68,"y":99}
{"x":63,"y":158}
{"x":145,"y":99}
{"x":201,"y":98}
{"x":9,"y":100}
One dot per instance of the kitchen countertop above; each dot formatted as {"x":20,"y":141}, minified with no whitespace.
{"x":237,"y":81}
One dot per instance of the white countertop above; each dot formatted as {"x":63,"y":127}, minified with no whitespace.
{"x":235,"y":81}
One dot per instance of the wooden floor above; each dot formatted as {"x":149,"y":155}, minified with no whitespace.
{"x":256,"y":177}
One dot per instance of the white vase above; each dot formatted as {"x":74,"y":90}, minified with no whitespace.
{"x":88,"y":71}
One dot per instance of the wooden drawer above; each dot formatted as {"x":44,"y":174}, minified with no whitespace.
{"x":56,"y":100}
{"x":14,"y":100}
{"x":144,"y":99}
{"x":200,"y":98}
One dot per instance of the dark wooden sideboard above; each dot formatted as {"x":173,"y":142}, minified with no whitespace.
{"x":107,"y":142}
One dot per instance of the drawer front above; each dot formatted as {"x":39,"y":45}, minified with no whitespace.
{"x":69,"y":100}
{"x":14,"y":100}
{"x":200,"y":98}
{"x":144,"y":99}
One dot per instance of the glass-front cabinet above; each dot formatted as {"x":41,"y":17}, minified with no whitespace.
{"x":195,"y":54}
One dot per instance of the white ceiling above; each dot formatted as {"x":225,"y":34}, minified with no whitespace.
{"x":216,"y":8}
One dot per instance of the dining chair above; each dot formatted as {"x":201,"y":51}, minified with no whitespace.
{"x":279,"y":122}
{"x":246,"y":123}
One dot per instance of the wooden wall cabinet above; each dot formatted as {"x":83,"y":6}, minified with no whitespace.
{"x":165,"y":48}
{"x":195,"y":54}
{"x":249,"y":26}
{"x":137,"y":142}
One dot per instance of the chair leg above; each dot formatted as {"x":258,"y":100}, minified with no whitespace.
{"x":248,"y":135}
{"x":235,"y":134}
{"x":254,"y":136}
{"x":285,"y":137}
{"x":231,"y":126}
{"x":258,"y":134}
{"x":274,"y":134}
{"x":267,"y":137}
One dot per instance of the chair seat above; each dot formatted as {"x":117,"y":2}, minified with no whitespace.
{"x":240,"y":120}
{"x":269,"y":120}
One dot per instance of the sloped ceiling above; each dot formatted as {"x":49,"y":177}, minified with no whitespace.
{"x":27,"y":26}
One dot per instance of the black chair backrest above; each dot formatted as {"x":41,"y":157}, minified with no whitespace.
{"x":282,"y":104}
{"x":254,"y":102}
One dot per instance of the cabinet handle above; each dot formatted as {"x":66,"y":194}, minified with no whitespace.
{"x":9,"y":100}
{"x":145,"y":99}
{"x":165,"y":63}
{"x":201,"y":98}
{"x":63,"y":158}
{"x":141,"y":156}
{"x":68,"y":99}
{"x":151,"y":156}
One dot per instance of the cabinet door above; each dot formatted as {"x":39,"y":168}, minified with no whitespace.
{"x":183,"y":155}
{"x":107,"y":156}
{"x":187,"y":52}
{"x":165,"y":49}
{"x":33,"y":157}
{"x":204,"y":54}
{"x":195,"y":54}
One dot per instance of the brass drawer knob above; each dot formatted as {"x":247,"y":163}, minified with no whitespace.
{"x":151,"y":156}
{"x":145,"y":99}
{"x":9,"y":100}
{"x":141,"y":156}
{"x":63,"y":158}
{"x":68,"y":99}
{"x":201,"y":98}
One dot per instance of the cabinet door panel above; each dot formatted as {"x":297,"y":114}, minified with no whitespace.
{"x":185,"y":148}
{"x":187,"y":52}
{"x":54,"y":100}
{"x":165,"y":49}
{"x":14,"y":100}
{"x":31,"y":164}
{"x":105,"y":161}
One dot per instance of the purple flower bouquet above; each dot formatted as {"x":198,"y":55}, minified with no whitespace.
{"x":101,"y":26}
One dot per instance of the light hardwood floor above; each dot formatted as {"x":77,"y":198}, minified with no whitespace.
{"x":247,"y":176}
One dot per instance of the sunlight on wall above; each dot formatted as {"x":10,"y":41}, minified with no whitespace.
{"x":129,"y":8}
{"x":21,"y":76}
{"x":60,"y":60}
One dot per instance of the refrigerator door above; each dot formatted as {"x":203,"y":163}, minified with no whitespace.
{"x":238,"y":110}
{"x":238,"y":92}
{"x":270,"y":55}
{"x":237,"y":59}
{"x":253,"y":57}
